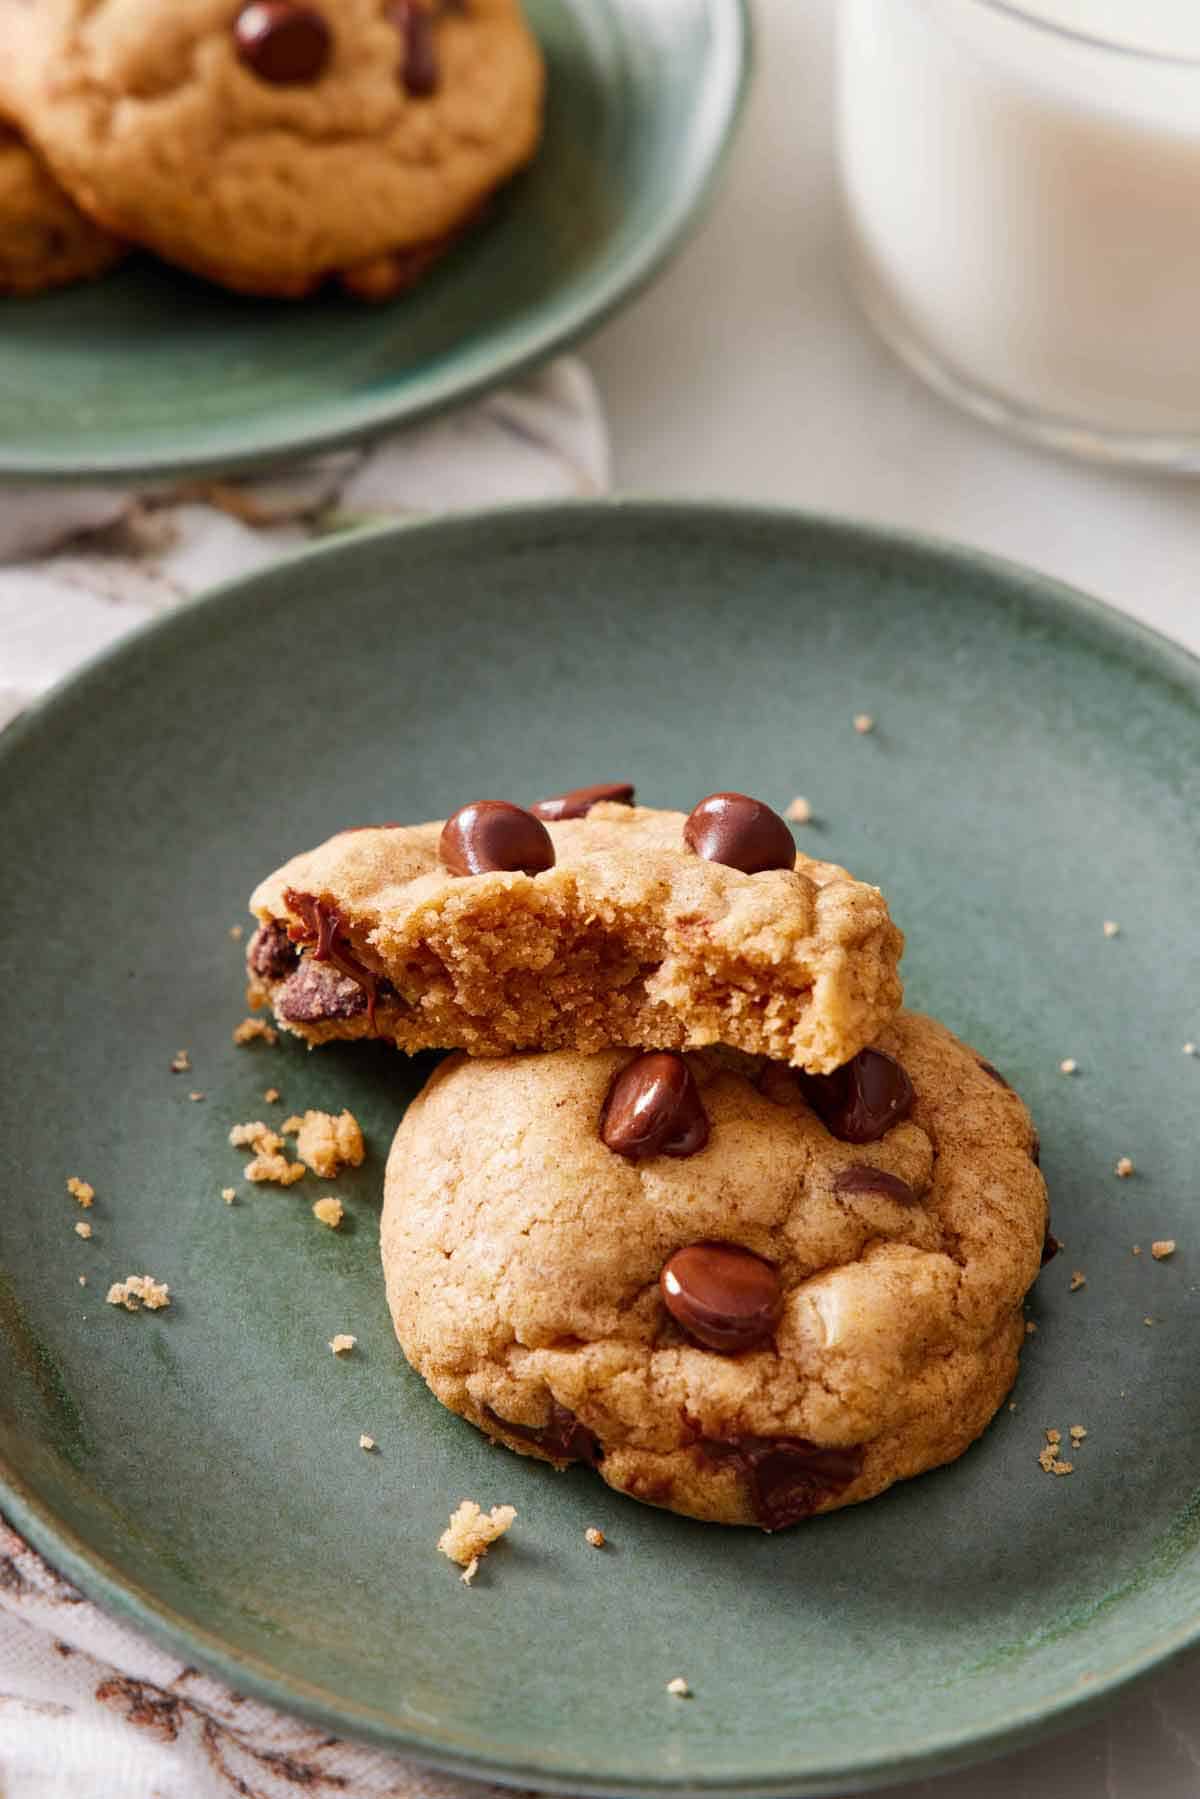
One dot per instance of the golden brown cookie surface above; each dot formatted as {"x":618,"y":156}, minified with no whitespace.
{"x":860,"y":1324}
{"x":277,"y":144}
{"x":45,"y":241}
{"x":628,"y":938}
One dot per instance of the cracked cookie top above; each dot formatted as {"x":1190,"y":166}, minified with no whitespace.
{"x":610,"y":929}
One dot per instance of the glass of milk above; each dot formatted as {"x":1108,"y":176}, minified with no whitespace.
{"x":1022,"y":193}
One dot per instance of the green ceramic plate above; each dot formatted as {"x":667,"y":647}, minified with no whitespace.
{"x":1032,"y":773}
{"x":150,"y":371}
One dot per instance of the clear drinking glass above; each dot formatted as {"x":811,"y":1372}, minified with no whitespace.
{"x":1022,"y":196}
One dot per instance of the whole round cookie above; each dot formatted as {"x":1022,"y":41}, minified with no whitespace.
{"x":740,"y":1293}
{"x":45,"y":241}
{"x":272,"y":145}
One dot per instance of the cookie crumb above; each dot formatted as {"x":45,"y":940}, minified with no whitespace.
{"x":83,"y":1280}
{"x":863,"y":723}
{"x":1030,"y":1328}
{"x":1147,"y":1321}
{"x":1164,"y":1247}
{"x":330,"y":1211}
{"x":258,"y":1136}
{"x":274,"y":1168}
{"x":83,"y":1191}
{"x":365,"y":1442}
{"x":471,"y":1533}
{"x":83,"y":1228}
{"x":228,"y":1195}
{"x":1077,"y":1433}
{"x":327,"y":1143}
{"x":1068,"y":1065}
{"x":1137,"y":1249}
{"x":1111,"y":928}
{"x":470,"y":1571}
{"x":1054,"y":1436}
{"x":679,"y":1688}
{"x":595,"y":1537}
{"x":343,"y":1343}
{"x":181,"y":1062}
{"x":800,"y":812}
{"x":1124,"y":1167}
{"x":1078,"y":1279}
{"x":195,"y":1096}
{"x":1062,"y":1467}
{"x":252,"y":1028}
{"x":152,"y":1294}
{"x":271,"y":1096}
{"x":1189,"y":1049}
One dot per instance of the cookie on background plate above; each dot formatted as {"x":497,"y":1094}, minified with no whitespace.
{"x":499,"y":930}
{"x":739,"y":1293}
{"x":45,"y":241}
{"x":272,"y":146}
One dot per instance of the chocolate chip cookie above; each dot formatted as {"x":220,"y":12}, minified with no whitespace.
{"x":274,"y":144}
{"x":45,"y":241}
{"x":738,"y":1292}
{"x":581,"y":923}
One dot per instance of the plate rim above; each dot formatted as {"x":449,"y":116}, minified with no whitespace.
{"x":135,"y":1606}
{"x":718,"y":111}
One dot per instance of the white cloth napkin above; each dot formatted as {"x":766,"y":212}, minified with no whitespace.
{"x":87,"y":1708}
{"x":81,"y":566}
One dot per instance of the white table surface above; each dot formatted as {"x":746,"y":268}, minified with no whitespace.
{"x":746,"y":372}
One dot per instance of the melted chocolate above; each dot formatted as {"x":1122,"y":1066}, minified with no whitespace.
{"x":325,"y":941}
{"x":862,"y":1100}
{"x":989,"y":1068}
{"x":740,"y":832}
{"x":653,"y":1108}
{"x":579,"y":801}
{"x":562,"y":1438}
{"x":271,"y":954}
{"x":860,"y":1177}
{"x":316,"y":992}
{"x":723,"y":1295}
{"x":1050,"y":1247}
{"x":789,"y":1478}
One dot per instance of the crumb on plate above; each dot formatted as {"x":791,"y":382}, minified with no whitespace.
{"x":326,"y":1142}
{"x":800,"y":812}
{"x":342,"y":1343}
{"x":271,"y":1096}
{"x":152,"y":1294}
{"x":1078,"y":1279}
{"x":679,"y":1688}
{"x":228,"y":1194}
{"x":365,"y":1442}
{"x":471,"y":1533}
{"x":1068,"y":1065}
{"x":1164,"y":1247}
{"x":83,"y":1191}
{"x":1111,"y":928}
{"x":251,"y":1029}
{"x":83,"y":1228}
{"x":1124,"y":1167}
{"x":181,"y":1062}
{"x":330,"y":1211}
{"x":595,"y":1537}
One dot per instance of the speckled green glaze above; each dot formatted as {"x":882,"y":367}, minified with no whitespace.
{"x":1032,"y":773}
{"x":152,"y":371}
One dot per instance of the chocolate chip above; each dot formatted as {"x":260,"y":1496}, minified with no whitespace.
{"x":580,"y":800}
{"x":271,"y":954}
{"x":281,"y":42}
{"x":419,"y":69}
{"x":317,"y":991}
{"x":1050,"y":1247}
{"x":789,"y":1477}
{"x":739,"y":832}
{"x":862,"y":1100}
{"x":724,"y":1296}
{"x":991,"y":1069}
{"x":860,"y":1177}
{"x":322,"y":930}
{"x":490,"y":836}
{"x":1035,"y":1149}
{"x":563,"y":1438}
{"x":653,"y":1108}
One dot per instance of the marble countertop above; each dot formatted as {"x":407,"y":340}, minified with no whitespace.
{"x":746,"y":372}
